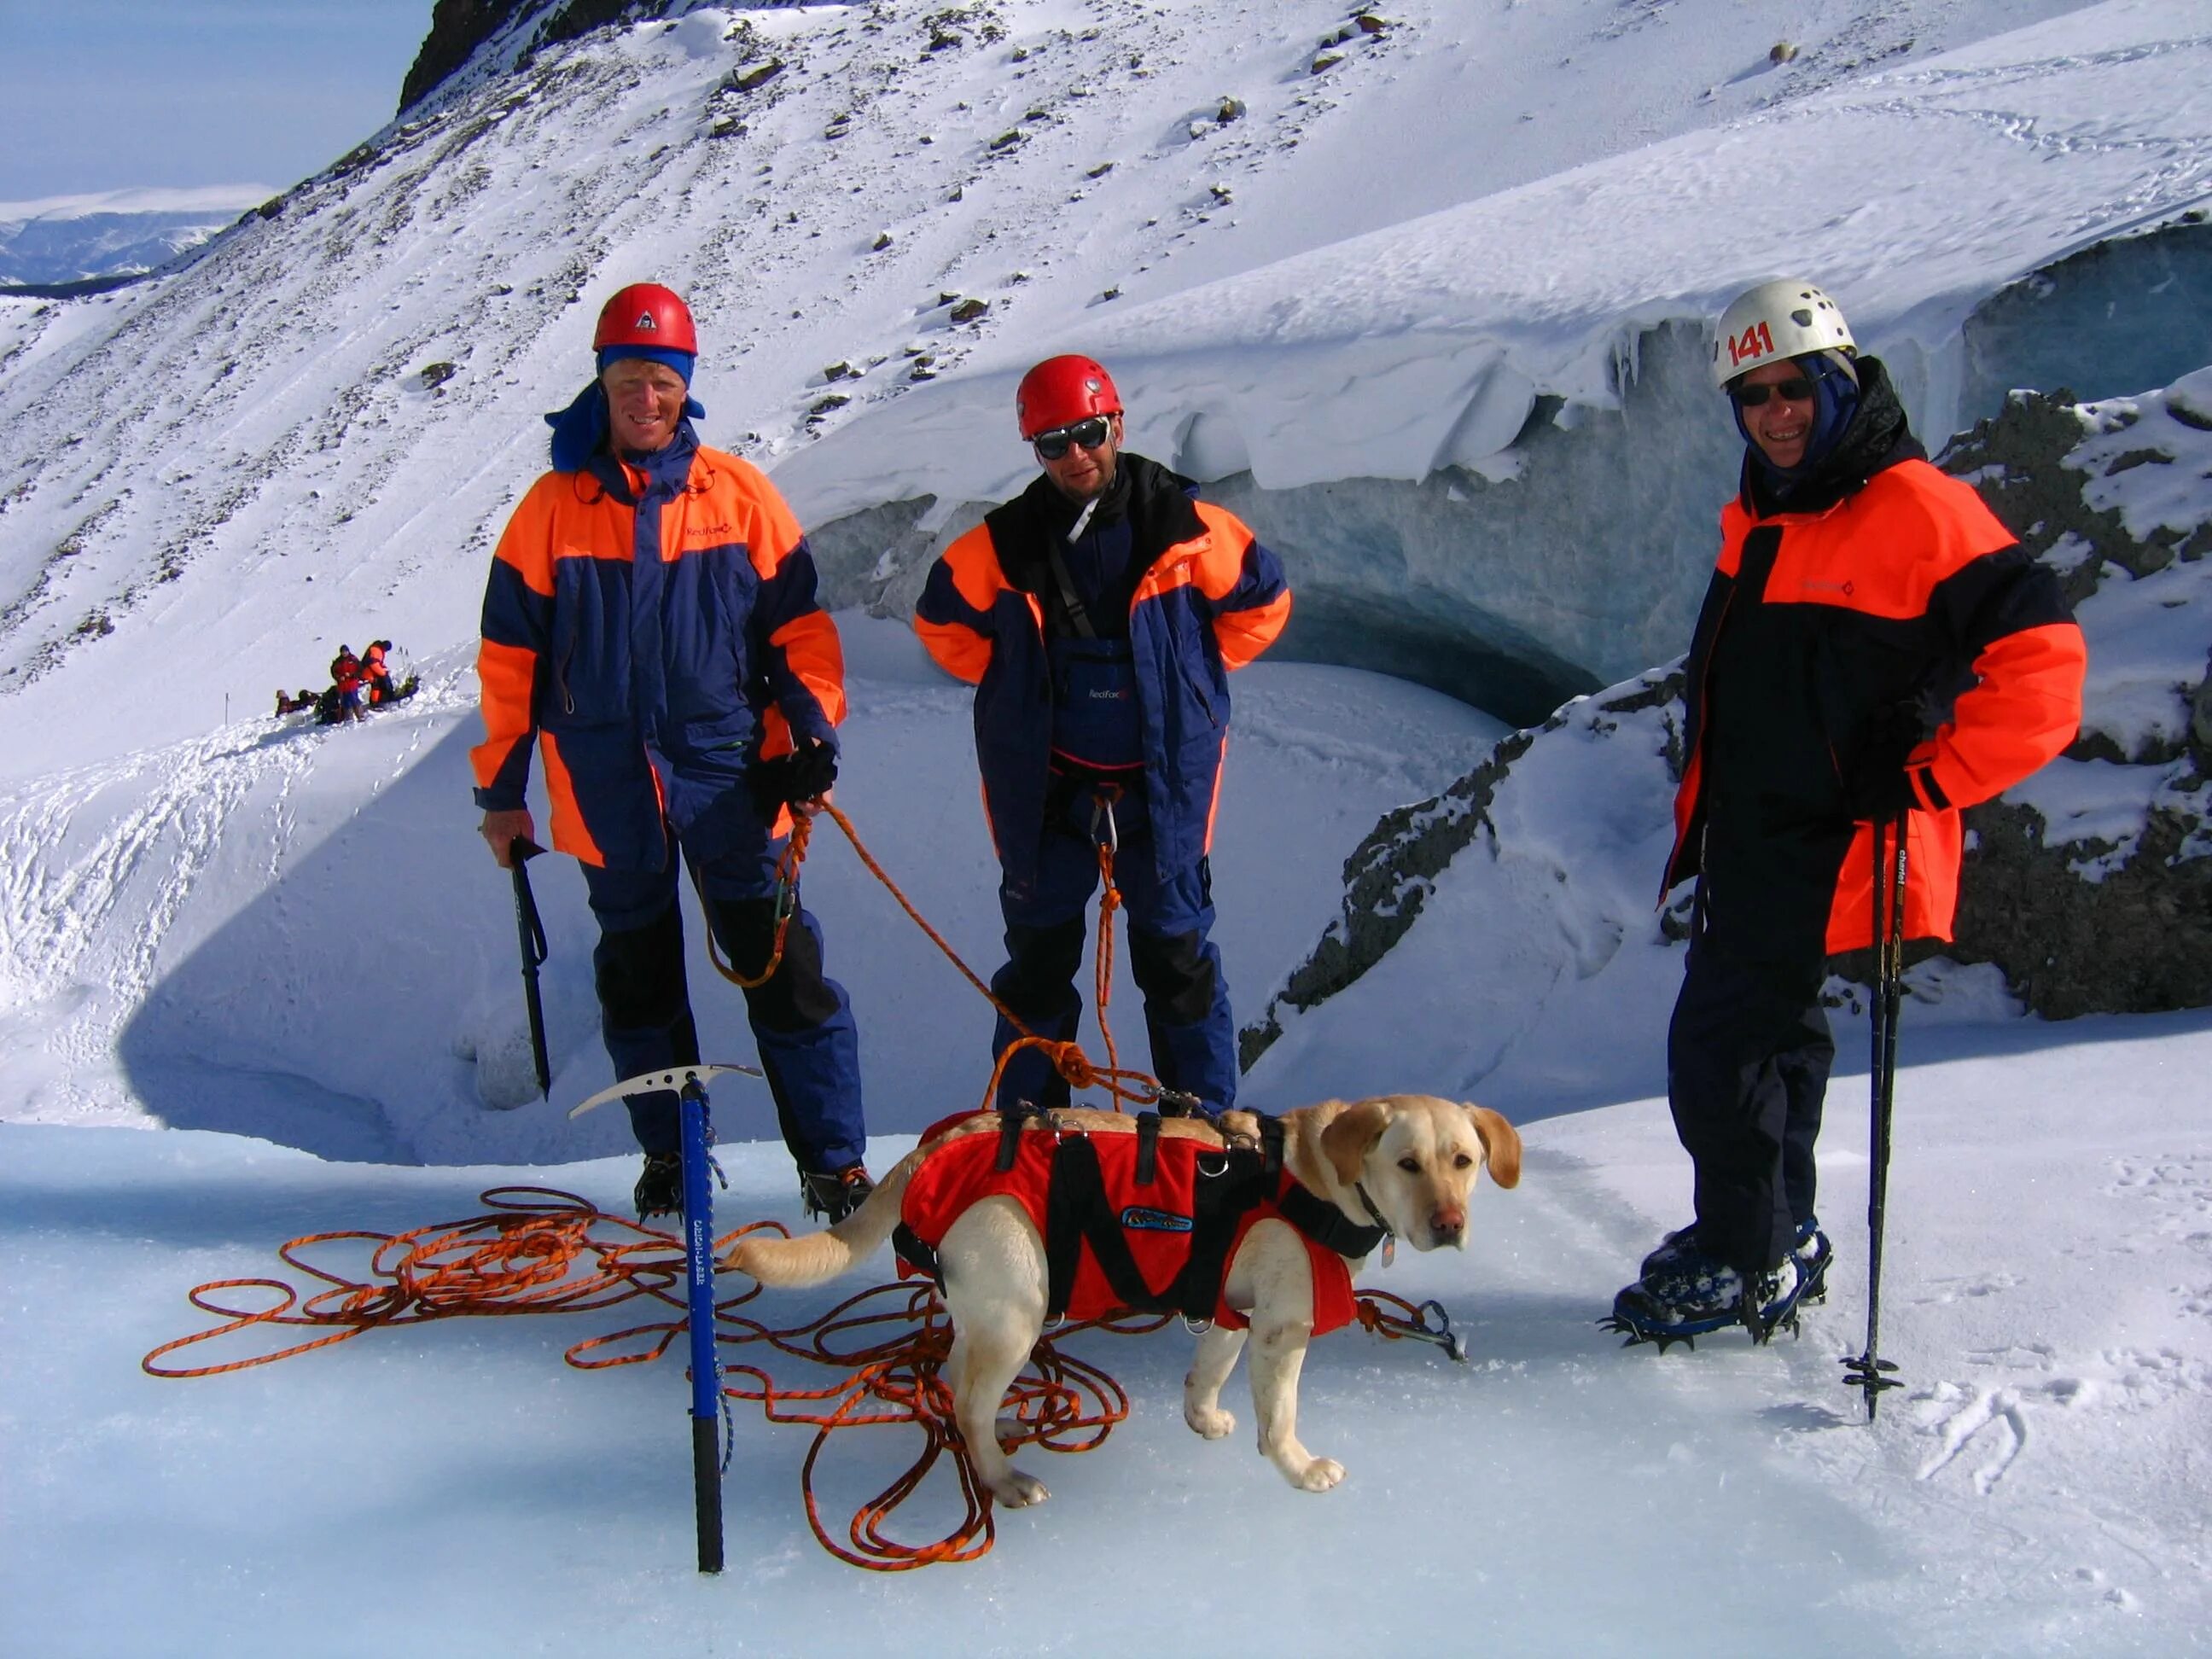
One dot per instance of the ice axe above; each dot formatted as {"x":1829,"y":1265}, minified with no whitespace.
{"x":706,"y":1407}
{"x":532,"y":931}
{"x":1869,"y":1371}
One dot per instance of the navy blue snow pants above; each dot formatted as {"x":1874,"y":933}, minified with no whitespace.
{"x":1176,"y":966}
{"x":802,"y":1021}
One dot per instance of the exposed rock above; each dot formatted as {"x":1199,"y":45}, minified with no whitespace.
{"x":1781,"y":52}
{"x":970,"y":311}
{"x":458,"y":27}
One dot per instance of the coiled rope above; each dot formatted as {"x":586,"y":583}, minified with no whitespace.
{"x":541,"y":1250}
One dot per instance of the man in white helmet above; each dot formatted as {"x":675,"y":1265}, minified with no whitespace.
{"x":1875,"y":648}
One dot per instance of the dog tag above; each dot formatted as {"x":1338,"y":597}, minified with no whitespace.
{"x":1389,"y":1248}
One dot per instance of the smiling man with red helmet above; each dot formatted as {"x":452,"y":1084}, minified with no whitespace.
{"x":1099,"y":615}
{"x":650,"y":624}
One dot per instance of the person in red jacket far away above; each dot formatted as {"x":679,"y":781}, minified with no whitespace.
{"x":346,"y":680}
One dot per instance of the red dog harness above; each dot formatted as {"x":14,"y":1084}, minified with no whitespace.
{"x":1138,"y":1221}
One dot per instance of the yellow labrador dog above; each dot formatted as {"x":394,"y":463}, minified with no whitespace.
{"x":1406,"y":1161}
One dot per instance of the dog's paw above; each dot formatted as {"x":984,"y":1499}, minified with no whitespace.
{"x":1208,"y":1422}
{"x":1016,"y":1491}
{"x":1319,"y":1475}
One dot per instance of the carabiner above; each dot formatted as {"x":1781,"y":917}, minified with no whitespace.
{"x":1102,"y":797}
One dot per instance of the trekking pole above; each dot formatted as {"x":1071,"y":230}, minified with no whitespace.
{"x":694,"y":1135}
{"x":532,"y":931}
{"x":1869,"y":1371}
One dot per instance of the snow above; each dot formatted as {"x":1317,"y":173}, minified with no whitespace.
{"x":2035,"y":1487}
{"x":280,"y":953}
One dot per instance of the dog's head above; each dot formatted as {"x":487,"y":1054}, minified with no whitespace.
{"x":1416,"y":1157}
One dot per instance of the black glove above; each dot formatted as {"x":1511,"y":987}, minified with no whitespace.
{"x":1875,"y":786}
{"x":809,"y":770}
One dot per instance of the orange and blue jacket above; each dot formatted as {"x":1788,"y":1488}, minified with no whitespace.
{"x":653,"y":625}
{"x":1900,"y":589}
{"x":1210,"y":600}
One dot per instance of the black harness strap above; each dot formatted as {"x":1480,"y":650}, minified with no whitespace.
{"x":1078,"y":1213}
{"x":1077,"y":619}
{"x":1270,"y":1147}
{"x":911,"y":1248}
{"x":1148,"y":1148}
{"x":1014,"y":1117}
{"x":1327,"y":1225}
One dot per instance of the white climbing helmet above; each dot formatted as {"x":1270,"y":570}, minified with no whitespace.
{"x":1778,"y":320}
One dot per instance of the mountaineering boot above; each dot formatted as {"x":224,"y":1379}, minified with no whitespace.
{"x":660,"y":1188}
{"x":834,"y":1194}
{"x":1685,"y":1295}
{"x":1694,"y":1293}
{"x":1672,"y":1248}
{"x":1812,"y":1252}
{"x":1811,"y":1247}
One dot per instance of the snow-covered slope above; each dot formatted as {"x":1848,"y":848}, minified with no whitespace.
{"x":312,"y":432}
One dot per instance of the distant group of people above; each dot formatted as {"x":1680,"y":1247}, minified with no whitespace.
{"x":1876,"y":649}
{"x":357,"y":682}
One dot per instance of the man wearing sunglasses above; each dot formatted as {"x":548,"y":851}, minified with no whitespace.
{"x":1099,"y":615}
{"x":1874,"y":647}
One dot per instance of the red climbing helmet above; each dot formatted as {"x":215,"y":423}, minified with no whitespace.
{"x":1061,"y":390}
{"x":646,"y":314}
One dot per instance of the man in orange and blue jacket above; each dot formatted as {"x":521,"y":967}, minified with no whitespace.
{"x":1874,"y":647}
{"x":651,"y":622}
{"x":1099,"y":615}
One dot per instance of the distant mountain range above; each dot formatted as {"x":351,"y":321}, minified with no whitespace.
{"x":76,"y":239}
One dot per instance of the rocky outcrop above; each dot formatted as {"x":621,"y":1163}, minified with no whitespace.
{"x":458,"y":27}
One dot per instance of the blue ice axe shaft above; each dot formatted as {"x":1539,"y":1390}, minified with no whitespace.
{"x":705,"y":1364}
{"x":690,"y":1083}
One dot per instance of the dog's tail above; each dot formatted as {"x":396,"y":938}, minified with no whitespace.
{"x":815,"y":1258}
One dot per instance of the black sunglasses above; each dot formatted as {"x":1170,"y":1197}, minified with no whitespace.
{"x":1790,"y":391}
{"x":1089,"y":434}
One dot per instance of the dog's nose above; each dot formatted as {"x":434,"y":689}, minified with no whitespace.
{"x":1448,"y":1226}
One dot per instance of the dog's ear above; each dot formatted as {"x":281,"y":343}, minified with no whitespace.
{"x":1352,"y":1135}
{"x":1501,"y":1145}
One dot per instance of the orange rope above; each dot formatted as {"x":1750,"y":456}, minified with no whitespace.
{"x":542,"y":1250}
{"x":787,"y":903}
{"x":1068,"y":1059}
